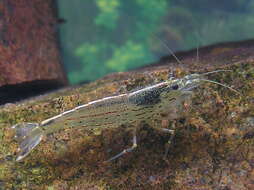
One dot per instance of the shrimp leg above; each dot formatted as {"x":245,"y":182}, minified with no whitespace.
{"x":134,"y":145}
{"x":172,"y":134}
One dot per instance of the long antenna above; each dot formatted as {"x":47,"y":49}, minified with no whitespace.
{"x":196,"y":34}
{"x":170,"y":51}
{"x":221,"y":85}
{"x":217,"y":71}
{"x":197,"y":54}
{"x":163,"y":42}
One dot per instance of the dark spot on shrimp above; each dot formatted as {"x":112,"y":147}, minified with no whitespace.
{"x":172,"y":99}
{"x":163,"y":114}
{"x":175,"y":87}
{"x":143,"y":98}
{"x":140,"y":114}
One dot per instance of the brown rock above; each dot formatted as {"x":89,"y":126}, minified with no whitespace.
{"x":212,"y":148}
{"x":28,"y":42}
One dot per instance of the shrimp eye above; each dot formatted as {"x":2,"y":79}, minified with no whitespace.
{"x":175,"y":87}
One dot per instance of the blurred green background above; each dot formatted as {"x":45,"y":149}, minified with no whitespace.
{"x":103,"y":36}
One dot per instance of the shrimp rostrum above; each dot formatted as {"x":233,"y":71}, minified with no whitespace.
{"x":164,"y":99}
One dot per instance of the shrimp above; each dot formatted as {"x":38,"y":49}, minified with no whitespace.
{"x":165,"y":99}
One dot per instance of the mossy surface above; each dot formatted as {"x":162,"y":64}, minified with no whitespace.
{"x":213,"y":147}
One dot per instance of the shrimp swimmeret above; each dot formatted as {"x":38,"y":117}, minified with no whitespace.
{"x":162,"y":100}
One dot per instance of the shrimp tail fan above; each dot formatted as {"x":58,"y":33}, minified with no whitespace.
{"x":28,"y":136}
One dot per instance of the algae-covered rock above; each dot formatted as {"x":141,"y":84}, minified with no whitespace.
{"x":212,"y":149}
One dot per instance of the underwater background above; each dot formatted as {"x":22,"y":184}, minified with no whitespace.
{"x":103,"y":36}
{"x":213,"y":143}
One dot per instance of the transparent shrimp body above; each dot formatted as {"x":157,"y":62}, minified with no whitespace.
{"x":150,"y":102}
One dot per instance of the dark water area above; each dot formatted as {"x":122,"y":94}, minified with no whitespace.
{"x":18,"y":92}
{"x":104,"y":36}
